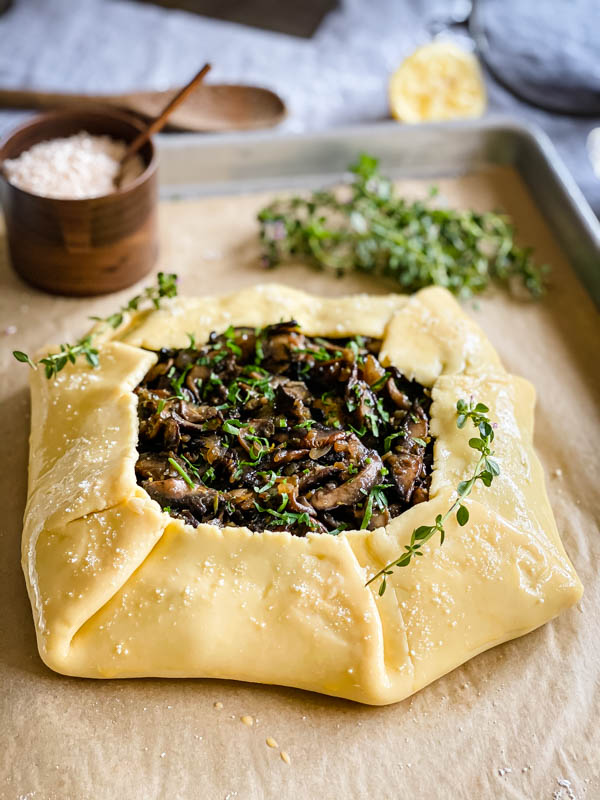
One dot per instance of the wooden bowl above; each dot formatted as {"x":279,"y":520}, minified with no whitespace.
{"x":88,"y":246}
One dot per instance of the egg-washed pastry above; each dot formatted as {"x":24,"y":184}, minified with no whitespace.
{"x":214,"y":497}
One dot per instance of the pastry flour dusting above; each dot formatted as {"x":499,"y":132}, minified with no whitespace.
{"x":76,"y":167}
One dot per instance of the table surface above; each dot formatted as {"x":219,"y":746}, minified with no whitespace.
{"x":337,"y":77}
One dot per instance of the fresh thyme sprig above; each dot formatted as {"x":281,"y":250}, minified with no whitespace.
{"x":413,"y":243}
{"x":485,"y":471}
{"x":166,"y":286}
{"x":54,"y":362}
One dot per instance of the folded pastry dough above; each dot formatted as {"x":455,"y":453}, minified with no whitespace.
{"x":120,"y":589}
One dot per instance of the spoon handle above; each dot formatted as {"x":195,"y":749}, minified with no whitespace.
{"x":162,"y":118}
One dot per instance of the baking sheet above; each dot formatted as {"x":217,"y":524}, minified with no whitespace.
{"x":520,"y":721}
{"x":196,"y":164}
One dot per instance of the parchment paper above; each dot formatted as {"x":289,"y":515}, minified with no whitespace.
{"x":520,"y":721}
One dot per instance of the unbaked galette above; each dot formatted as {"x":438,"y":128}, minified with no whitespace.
{"x":214,"y":497}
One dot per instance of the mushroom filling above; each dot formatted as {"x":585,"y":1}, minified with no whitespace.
{"x":275,"y":430}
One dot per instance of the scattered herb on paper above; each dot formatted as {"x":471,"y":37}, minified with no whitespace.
{"x":485,"y":471}
{"x":413,"y":243}
{"x":54,"y":362}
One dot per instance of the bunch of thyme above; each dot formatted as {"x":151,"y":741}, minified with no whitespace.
{"x":412,"y":243}
{"x":54,"y":362}
{"x":485,"y":471}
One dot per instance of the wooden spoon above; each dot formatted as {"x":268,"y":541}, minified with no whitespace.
{"x":217,"y":107}
{"x":159,"y":123}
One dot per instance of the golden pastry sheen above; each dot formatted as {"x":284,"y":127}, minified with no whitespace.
{"x":119,"y":589}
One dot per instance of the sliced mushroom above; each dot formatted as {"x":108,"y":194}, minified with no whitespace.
{"x":152,"y":466}
{"x":399,"y":398}
{"x":315,"y":473}
{"x":350,"y":492}
{"x":291,"y":399}
{"x":372,"y":370}
{"x":406,"y":461}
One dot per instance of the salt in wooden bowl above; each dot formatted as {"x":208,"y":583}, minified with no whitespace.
{"x":84,"y":246}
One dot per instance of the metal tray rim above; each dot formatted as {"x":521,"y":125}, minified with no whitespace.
{"x":534,"y":133}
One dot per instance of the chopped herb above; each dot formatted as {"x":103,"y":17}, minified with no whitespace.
{"x":287,"y":517}
{"x":192,"y":467}
{"x":258,"y":348}
{"x":376,"y":497}
{"x":343,"y":526}
{"x":319,"y":354}
{"x":230,"y":341}
{"x":368,"y":512}
{"x":232,"y":426}
{"x":382,"y":412}
{"x":182,"y":472}
{"x":379,"y":384}
{"x":387,"y":442}
{"x":177,"y":384}
{"x":209,"y":474}
{"x":211,"y":382}
{"x":272,"y":478}
{"x":360,"y":432}
{"x":374,"y":423}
